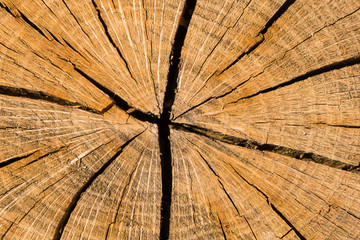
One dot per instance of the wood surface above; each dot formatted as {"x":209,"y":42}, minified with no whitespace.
{"x":191,"y":119}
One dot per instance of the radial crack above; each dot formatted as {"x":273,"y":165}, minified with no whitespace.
{"x":287,"y":222}
{"x":74,"y":49}
{"x":252,"y":185}
{"x":70,"y":208}
{"x":39,"y":95}
{"x":175,"y":58}
{"x":77,"y":21}
{"x":43,"y":156}
{"x":250,"y":227}
{"x":253,"y":48}
{"x":16,"y":159}
{"x":219,"y":41}
{"x":163,"y":127}
{"x":335,"y":125}
{"x":107,"y":33}
{"x":222,"y":228}
{"x":277,"y":15}
{"x":166,"y":177}
{"x":227,"y":194}
{"x":121,"y":103}
{"x":8,"y":229}
{"x":272,"y":207}
{"x":259,"y":39}
{"x":207,"y":163}
{"x":327,"y":68}
{"x":286,"y":233}
{"x":251,"y":144}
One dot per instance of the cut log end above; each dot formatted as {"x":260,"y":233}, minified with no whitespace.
{"x":179,"y":119}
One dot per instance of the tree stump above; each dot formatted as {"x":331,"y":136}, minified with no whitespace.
{"x":180,"y":119}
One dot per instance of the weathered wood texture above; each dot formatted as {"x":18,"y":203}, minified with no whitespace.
{"x":183,"y":119}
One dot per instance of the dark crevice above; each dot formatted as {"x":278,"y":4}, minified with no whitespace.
{"x":43,"y":156}
{"x":222,"y":228}
{"x":55,"y":38}
{"x":31,"y":24}
{"x":70,"y":208}
{"x":28,"y":211}
{"x":8,"y":229}
{"x":271,"y":205}
{"x":207,"y":163}
{"x":39,"y":95}
{"x":18,"y":14}
{"x":350,"y":213}
{"x":193,"y":107}
{"x":252,"y":185}
{"x":343,"y":126}
{"x":286,"y":234}
{"x":8,"y":48}
{"x":236,"y":87}
{"x":163,"y":122}
{"x":334,"y":125}
{"x":250,"y":144}
{"x":220,"y":41}
{"x":301,"y":42}
{"x":107,"y":108}
{"x":121,"y":103}
{"x":74,"y":49}
{"x":15,"y":159}
{"x":48,"y":7}
{"x":175,"y":58}
{"x":107,"y":33}
{"x":227,"y":194}
{"x":250,"y":227}
{"x":287,"y":222}
{"x":166,"y":178}
{"x":324,"y":69}
{"x":7,"y":9}
{"x":271,"y":21}
{"x":249,"y":51}
{"x":277,"y":15}
{"x":77,"y":21}
{"x":333,"y":66}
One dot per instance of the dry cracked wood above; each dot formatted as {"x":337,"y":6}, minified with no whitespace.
{"x":190,"y":119}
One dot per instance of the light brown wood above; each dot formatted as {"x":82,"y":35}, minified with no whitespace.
{"x":186,"y":119}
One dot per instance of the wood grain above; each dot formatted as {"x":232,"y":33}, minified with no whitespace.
{"x":191,"y":119}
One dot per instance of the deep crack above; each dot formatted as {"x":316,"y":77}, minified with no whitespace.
{"x":251,"y":144}
{"x":75,"y":199}
{"x":163,"y":122}
{"x":40,"y":95}
{"x":119,"y":102}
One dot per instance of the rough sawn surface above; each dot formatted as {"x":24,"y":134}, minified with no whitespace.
{"x":191,"y":119}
